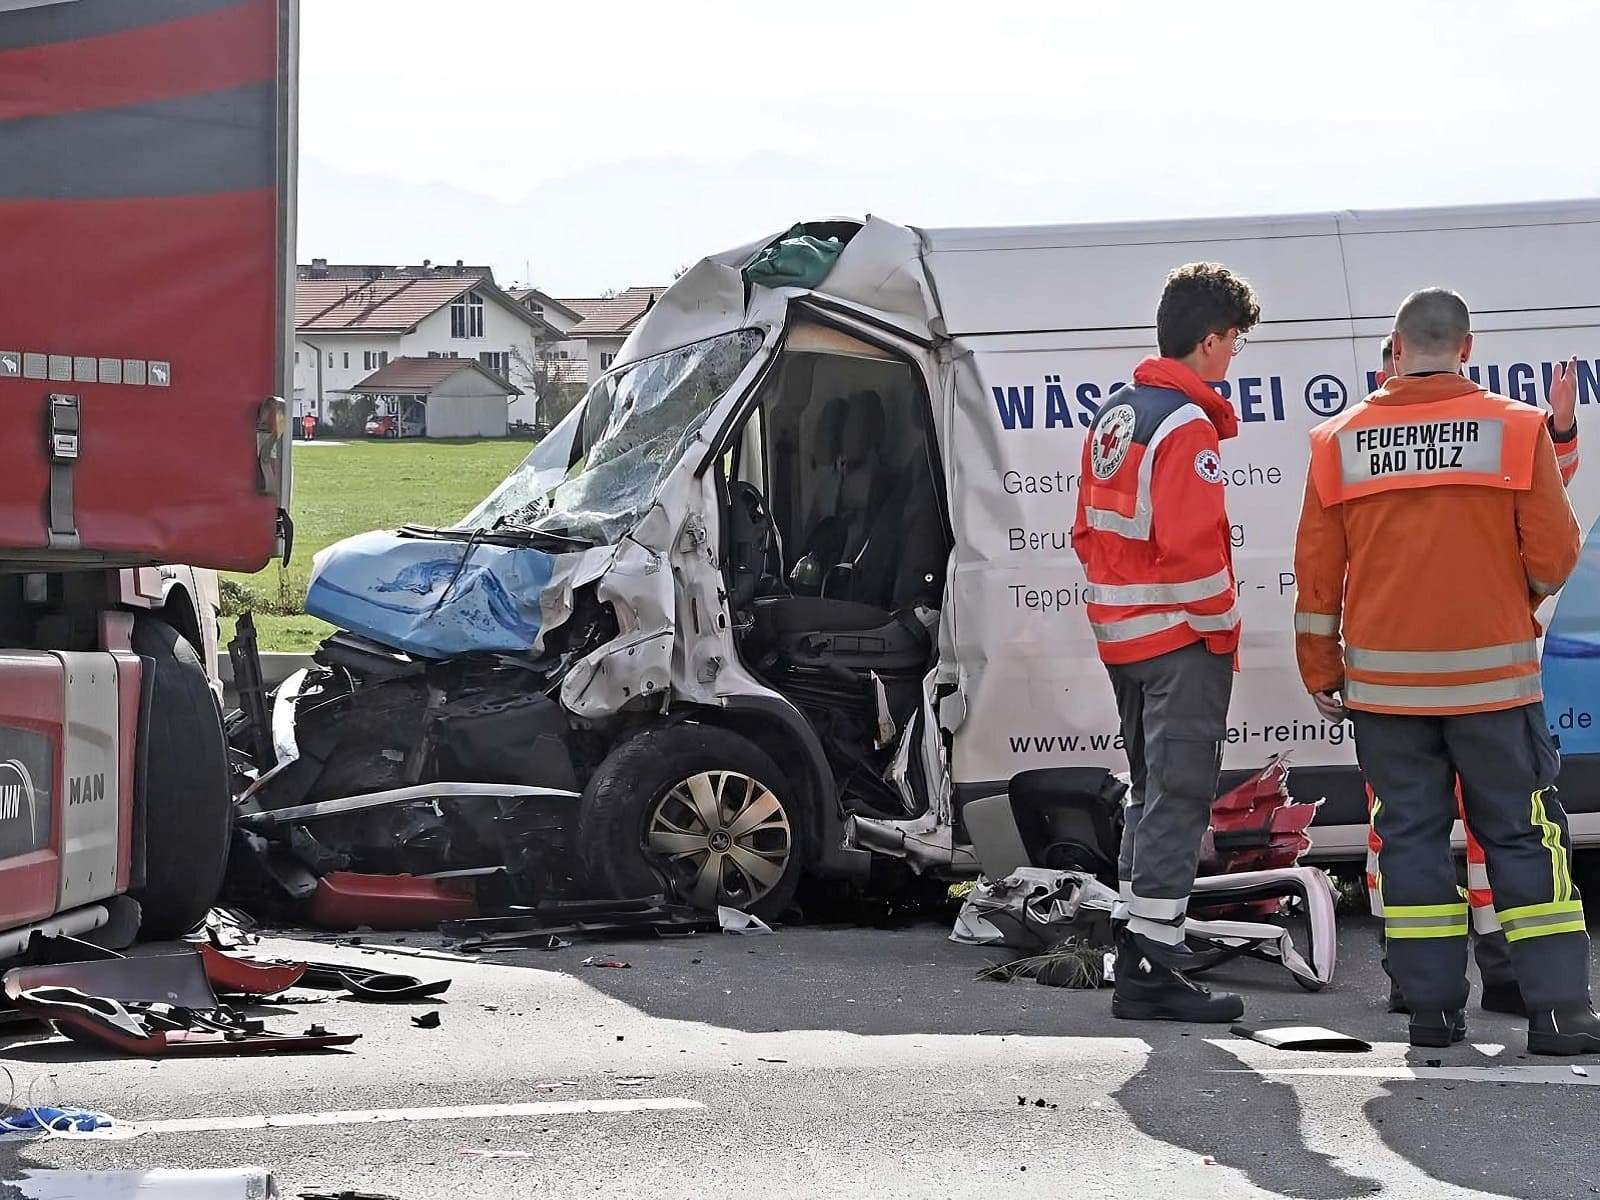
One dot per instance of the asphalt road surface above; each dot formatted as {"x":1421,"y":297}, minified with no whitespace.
{"x":835,"y":1062}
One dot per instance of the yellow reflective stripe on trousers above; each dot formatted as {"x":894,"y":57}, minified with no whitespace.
{"x":1441,"y":662}
{"x":1542,"y":920}
{"x":1399,"y":695}
{"x":1321,"y":624}
{"x":1425,"y":920}
{"x":1550,"y":839}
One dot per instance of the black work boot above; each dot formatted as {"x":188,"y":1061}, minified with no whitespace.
{"x":1148,"y":991}
{"x":1438,"y":1028}
{"x":1564,"y":1031}
{"x":1503,"y":996}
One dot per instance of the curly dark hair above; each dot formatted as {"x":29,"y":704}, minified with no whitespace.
{"x":1200,"y":299}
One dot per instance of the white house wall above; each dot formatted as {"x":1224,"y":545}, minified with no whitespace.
{"x":336,"y":379}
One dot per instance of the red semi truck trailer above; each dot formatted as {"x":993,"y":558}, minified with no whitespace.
{"x":147,"y":156}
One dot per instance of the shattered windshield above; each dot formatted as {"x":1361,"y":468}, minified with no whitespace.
{"x":597,"y":472}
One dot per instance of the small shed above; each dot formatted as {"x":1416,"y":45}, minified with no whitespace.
{"x":440,"y":397}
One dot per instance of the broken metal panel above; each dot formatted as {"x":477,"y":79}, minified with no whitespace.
{"x":394,"y":796}
{"x":178,"y":978}
{"x":1311,"y":887}
{"x":927,"y":842}
{"x":705,"y":300}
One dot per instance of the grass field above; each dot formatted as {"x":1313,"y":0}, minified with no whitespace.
{"x":345,"y":489}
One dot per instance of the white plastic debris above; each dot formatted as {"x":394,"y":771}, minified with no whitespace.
{"x":243,"y":1183}
{"x":734,"y":921}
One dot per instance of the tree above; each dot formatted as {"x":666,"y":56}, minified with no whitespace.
{"x":349,"y":415}
{"x":539,"y":367}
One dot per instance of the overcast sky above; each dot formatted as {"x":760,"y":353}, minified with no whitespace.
{"x":584,"y":146}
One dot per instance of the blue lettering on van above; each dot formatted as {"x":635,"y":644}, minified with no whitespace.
{"x":1088,"y":403}
{"x":1015,"y":405}
{"x":1261,"y":398}
{"x":1056,"y":412}
{"x":1251,"y":399}
{"x":1588,"y":381}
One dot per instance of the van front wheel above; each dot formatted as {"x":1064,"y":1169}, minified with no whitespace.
{"x":700,"y":810}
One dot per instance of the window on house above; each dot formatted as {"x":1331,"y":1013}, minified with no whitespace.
{"x":297,"y":358}
{"x":561,"y":354}
{"x":347,"y":360}
{"x":498,"y":361}
{"x":371,"y":360}
{"x":466,"y":316}
{"x":606,"y":360}
{"x":330,"y":360}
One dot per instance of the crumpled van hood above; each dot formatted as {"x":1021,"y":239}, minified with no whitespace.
{"x":433,"y":598}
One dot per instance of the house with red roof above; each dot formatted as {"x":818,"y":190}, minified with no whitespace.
{"x":352,"y":320}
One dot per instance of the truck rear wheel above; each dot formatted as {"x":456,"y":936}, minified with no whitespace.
{"x":701,"y":810}
{"x":188,"y":811}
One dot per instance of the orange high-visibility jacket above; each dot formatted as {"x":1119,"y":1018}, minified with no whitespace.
{"x":1434,"y":522}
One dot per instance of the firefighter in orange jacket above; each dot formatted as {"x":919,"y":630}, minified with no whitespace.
{"x":1490,"y":948}
{"x":1152,"y":532}
{"x":1434,"y":521}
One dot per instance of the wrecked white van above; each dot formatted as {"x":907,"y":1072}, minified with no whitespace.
{"x":793,"y":583}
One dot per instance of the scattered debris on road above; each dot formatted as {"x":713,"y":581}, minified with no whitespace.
{"x":597,"y":960}
{"x":427,"y":1020}
{"x":236,"y":1183}
{"x":1302,"y":1037}
{"x":733,"y":921}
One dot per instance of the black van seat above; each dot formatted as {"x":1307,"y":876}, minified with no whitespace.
{"x":821,"y":633}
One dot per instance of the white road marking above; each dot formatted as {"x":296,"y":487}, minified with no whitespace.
{"x":1561,"y":1075}
{"x":449,"y":1112}
{"x":1325,"y":1111}
{"x":374,"y":1116}
{"x":1391,"y":1061}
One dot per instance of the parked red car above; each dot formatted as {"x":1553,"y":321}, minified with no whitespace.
{"x":383,"y":426}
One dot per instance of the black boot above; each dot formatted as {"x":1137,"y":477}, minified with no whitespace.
{"x":1503,"y":997}
{"x":1438,"y":1028}
{"x":1397,"y":1000}
{"x":1148,"y":991}
{"x":1564,"y":1031}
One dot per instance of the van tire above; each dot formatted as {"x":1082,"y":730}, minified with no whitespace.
{"x":625,"y":795}
{"x":188,"y":810}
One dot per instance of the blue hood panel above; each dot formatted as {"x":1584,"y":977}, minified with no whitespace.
{"x":414,"y":594}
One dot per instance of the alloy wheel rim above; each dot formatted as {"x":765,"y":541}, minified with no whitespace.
{"x":724,"y":836}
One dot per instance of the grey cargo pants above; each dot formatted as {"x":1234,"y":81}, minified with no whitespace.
{"x":1507,"y":764}
{"x":1174,"y":713}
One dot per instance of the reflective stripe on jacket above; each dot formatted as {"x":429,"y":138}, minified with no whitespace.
{"x":1152,"y":528}
{"x":1433,"y":523}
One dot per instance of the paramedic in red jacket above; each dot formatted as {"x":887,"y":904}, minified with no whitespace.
{"x":1152,"y":533}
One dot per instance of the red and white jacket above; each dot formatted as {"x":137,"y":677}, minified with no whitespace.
{"x":1152,"y":525}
